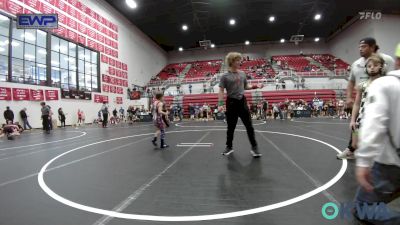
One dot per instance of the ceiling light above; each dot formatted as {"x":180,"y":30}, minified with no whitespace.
{"x":131,"y":3}
{"x":185,"y":27}
{"x":282,"y":40}
{"x":232,"y":22}
{"x":55,"y":63}
{"x":271,"y":19}
{"x":212,"y":46}
{"x":247,"y":42}
{"x":317,"y":17}
{"x":180,"y":49}
{"x":2,"y":49}
{"x":316,"y":39}
{"x":41,"y":66}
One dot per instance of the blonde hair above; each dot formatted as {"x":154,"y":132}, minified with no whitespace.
{"x":375,"y":58}
{"x":231,"y":57}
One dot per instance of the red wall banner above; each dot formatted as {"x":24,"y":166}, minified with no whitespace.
{"x":5,"y":93}
{"x":21,"y":94}
{"x":113,"y":89}
{"x":135,"y":95}
{"x":37,"y":95}
{"x":51,"y":95}
{"x":118,"y":100}
{"x":100,"y":98}
{"x":106,"y":88}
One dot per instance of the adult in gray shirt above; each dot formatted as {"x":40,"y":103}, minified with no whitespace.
{"x":234,"y":81}
{"x":367,"y":47}
{"x":45,"y":117}
{"x":358,"y":73}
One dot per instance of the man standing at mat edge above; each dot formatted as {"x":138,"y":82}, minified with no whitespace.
{"x":358,"y":73}
{"x":378,"y":156}
{"x":45,"y":117}
{"x":234,"y":81}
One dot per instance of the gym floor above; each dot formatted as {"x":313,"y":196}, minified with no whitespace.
{"x":115,"y":176}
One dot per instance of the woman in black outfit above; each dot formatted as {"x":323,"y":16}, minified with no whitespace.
{"x":61,"y":116}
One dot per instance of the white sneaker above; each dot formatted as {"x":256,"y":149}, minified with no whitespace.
{"x":346,"y":154}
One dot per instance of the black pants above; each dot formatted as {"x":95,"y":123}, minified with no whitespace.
{"x":51,"y":123}
{"x":350,"y":145}
{"x":62,"y":123}
{"x":105,"y":120}
{"x":46,"y":123}
{"x":276,"y":115}
{"x":235,"y":109}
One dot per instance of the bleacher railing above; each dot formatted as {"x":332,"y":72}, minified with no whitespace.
{"x":281,"y":74}
{"x":341,"y":72}
{"x":313,"y":74}
{"x":196,"y":80}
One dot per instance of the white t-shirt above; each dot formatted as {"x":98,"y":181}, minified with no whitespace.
{"x":380,"y":120}
{"x":357,"y":72}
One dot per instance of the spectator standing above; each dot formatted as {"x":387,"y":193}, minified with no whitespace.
{"x":179,"y":112}
{"x":105,"y":112}
{"x":378,"y":157}
{"x":367,"y":46}
{"x":122,"y":113}
{"x":277,"y":84}
{"x":61,"y":117}
{"x":79,"y":117}
{"x":191,"y":111}
{"x":24,"y":118}
{"x":9,"y":115}
{"x":46,"y":119}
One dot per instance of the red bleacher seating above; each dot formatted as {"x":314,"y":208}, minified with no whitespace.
{"x":306,"y":95}
{"x":254,"y":68}
{"x":201,"y":69}
{"x":168,"y":100}
{"x":271,"y":96}
{"x":200,"y":99}
{"x":329,"y":61}
{"x":171,"y":71}
{"x":251,"y":67}
{"x":297,"y":63}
